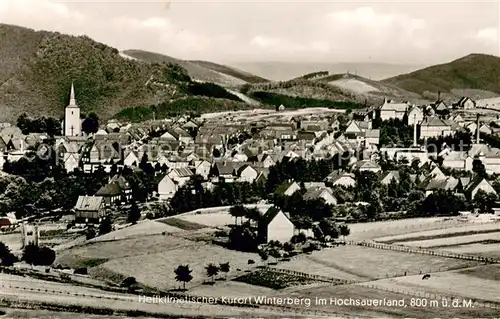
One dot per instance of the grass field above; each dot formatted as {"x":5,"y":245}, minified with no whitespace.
{"x":231,"y":288}
{"x":156,"y":269}
{"x":365,"y":231}
{"x":93,"y":254}
{"x":440,"y":233}
{"x":216,"y":219}
{"x":362,"y":293}
{"x":489,"y":250}
{"x":450,"y":283}
{"x":363,"y":263}
{"x":490,"y":272}
{"x":454,"y":241}
{"x":144,"y":228}
{"x":182,"y":224}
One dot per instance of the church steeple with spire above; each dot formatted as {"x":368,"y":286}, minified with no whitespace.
{"x":72,"y":122}
{"x":72,"y":100}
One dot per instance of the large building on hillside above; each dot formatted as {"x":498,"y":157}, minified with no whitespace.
{"x":72,"y":122}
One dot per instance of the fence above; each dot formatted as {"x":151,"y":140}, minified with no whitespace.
{"x":310,"y":276}
{"x":414,"y":250}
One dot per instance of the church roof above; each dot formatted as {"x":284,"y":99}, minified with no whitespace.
{"x":72,"y":99}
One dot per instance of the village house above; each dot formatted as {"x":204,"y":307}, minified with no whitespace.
{"x":203,"y":169}
{"x":247,"y":173}
{"x":89,"y":209}
{"x":433,"y":126}
{"x":275,"y":225}
{"x":344,"y":179}
{"x":167,"y":188}
{"x":320,"y":192}
{"x":367,"y":166}
{"x":387,"y":177}
{"x":180,"y":176}
{"x":465,"y":103}
{"x":415,"y":116}
{"x":117,"y":190}
{"x":477,"y":184}
{"x":287,"y":188}
{"x":392,"y":110}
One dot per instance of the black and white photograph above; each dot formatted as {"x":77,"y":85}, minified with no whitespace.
{"x":272,"y":159}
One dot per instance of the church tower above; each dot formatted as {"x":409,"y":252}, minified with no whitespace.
{"x":72,"y":122}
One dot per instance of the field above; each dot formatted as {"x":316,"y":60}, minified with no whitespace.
{"x":363,"y":293}
{"x":439,"y":233}
{"x":450,"y":283}
{"x":95,"y":253}
{"x":231,"y":288}
{"x":363,"y":263}
{"x":354,"y":85}
{"x":365,"y":231}
{"x":146,"y":227}
{"x":479,"y":249}
{"x":156,"y":269}
{"x":218,"y":219}
{"x":455,"y":240}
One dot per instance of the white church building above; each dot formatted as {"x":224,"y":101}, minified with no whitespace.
{"x":72,"y":121}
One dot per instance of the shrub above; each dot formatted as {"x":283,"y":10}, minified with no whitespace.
{"x":81,"y":271}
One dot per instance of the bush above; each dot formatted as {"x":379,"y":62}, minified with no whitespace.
{"x":35,"y":255}
{"x":129,"y":281}
{"x":81,"y":271}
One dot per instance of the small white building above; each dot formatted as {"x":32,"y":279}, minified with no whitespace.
{"x":276,"y":225}
{"x":166,"y":188}
{"x":247,"y":173}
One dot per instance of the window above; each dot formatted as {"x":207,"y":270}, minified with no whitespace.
{"x":72,"y":112}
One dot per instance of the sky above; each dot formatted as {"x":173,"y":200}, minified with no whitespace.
{"x":400,"y":32}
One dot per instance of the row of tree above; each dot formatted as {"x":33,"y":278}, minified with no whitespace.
{"x":32,"y":255}
{"x":183,"y":272}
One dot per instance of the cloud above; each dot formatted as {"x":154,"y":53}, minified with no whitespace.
{"x":326,"y":31}
{"x":488,"y":34}
{"x":40,"y":14}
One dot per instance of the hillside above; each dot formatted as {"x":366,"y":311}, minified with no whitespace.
{"x":37,"y":68}
{"x":478,"y":73}
{"x":326,"y":88}
{"x":200,"y":70}
{"x":284,"y":71}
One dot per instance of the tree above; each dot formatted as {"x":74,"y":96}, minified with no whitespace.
{"x":478,"y":167}
{"x":30,"y":254}
{"x":134,"y":214}
{"x":225,"y":268}
{"x":90,"y":124}
{"x":46,"y":256}
{"x":484,"y":201}
{"x":105,"y":227}
{"x":344,"y":230}
{"x":6,"y":257}
{"x":183,"y":274}
{"x":35,"y":255}
{"x":237,"y":211}
{"x":253,"y":214}
{"x":212,"y":271}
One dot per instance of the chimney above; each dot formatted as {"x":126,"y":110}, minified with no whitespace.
{"x":477,"y":130}
{"x":415,"y":130}
{"x":439,"y":96}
